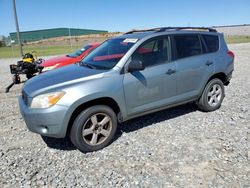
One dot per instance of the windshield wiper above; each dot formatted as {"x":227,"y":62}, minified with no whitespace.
{"x":71,"y":56}
{"x":87,"y":65}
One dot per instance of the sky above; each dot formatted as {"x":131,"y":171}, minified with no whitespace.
{"x":121,"y":15}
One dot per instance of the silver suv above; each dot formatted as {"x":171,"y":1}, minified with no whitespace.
{"x":137,"y":73}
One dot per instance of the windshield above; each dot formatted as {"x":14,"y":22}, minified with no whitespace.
{"x":79,"y":52}
{"x":107,"y":55}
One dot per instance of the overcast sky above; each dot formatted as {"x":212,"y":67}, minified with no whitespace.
{"x":121,"y":15}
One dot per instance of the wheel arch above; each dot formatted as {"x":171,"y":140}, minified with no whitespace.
{"x":108,"y":101}
{"x":222,"y":76}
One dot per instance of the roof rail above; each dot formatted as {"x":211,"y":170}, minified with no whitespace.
{"x":187,"y":28}
{"x":161,"y":29}
{"x":141,"y":30}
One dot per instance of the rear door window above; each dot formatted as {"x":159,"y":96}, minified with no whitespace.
{"x":187,"y":45}
{"x":212,"y":42}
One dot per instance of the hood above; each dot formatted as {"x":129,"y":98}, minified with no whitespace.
{"x":56,"y":60}
{"x":59,"y":78}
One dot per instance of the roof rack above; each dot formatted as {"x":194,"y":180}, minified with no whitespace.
{"x":141,"y":30}
{"x":187,"y":28}
{"x":161,"y":29}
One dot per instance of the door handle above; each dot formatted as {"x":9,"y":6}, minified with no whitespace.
{"x":208,"y":63}
{"x":170,"y":71}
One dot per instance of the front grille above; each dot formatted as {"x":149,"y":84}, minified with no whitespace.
{"x":25,"y":97}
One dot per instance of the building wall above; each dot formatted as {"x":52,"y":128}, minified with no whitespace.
{"x":36,"y":35}
{"x":239,"y":30}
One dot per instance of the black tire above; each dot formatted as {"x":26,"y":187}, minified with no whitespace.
{"x":29,"y":75}
{"x":84,"y":123}
{"x":204,"y":102}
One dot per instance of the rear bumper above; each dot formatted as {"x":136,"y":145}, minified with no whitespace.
{"x":47,"y":122}
{"x":228,"y":78}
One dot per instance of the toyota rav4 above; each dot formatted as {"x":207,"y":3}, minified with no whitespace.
{"x":131,"y":75}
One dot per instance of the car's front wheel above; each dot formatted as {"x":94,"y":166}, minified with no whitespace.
{"x":94,"y":128}
{"x":212,"y":96}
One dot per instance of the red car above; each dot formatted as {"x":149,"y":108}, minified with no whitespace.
{"x":60,"y":61}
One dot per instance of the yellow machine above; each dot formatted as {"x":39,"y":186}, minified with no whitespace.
{"x":29,"y":65}
{"x":30,"y":57}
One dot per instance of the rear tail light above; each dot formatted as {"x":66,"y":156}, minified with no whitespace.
{"x":230,"y":53}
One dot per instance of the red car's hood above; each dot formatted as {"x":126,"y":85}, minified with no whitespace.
{"x":58,"y":60}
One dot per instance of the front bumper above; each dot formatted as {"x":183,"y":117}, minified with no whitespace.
{"x":47,"y":122}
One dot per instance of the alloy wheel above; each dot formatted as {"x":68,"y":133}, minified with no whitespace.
{"x":214,"y":95}
{"x":97,"y":129}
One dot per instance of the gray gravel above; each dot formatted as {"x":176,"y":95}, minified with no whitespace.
{"x":179,"y":147}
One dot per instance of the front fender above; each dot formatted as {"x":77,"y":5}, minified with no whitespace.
{"x":108,"y":88}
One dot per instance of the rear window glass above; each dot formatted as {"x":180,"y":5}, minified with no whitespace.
{"x":212,"y":42}
{"x":187,"y":45}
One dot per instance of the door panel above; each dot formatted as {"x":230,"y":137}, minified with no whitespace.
{"x":192,"y":73}
{"x":193,"y":66}
{"x":156,"y":84}
{"x":150,"y":88}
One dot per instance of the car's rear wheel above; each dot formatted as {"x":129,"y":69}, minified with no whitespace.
{"x":94,"y":128}
{"x":212,"y":96}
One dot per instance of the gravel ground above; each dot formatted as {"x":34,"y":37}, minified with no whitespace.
{"x":179,"y":147}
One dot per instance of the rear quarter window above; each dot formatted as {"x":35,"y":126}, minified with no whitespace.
{"x":212,"y":42}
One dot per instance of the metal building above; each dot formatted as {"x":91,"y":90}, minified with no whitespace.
{"x":28,"y":36}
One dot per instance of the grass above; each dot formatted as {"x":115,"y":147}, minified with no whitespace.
{"x":237,"y":39}
{"x":8,"y":52}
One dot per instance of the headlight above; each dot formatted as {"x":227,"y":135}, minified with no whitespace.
{"x":46,"y":100}
{"x":50,"y":68}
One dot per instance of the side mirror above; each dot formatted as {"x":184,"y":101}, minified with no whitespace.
{"x":135,"y":65}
